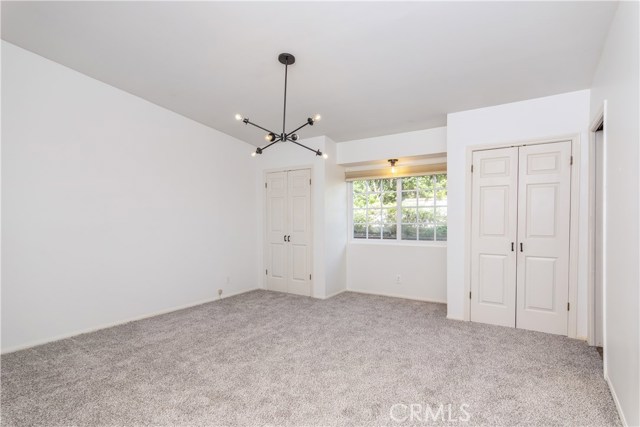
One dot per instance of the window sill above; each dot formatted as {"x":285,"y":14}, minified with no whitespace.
{"x":430,"y":244}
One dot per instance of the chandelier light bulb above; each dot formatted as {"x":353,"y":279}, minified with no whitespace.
{"x":270,"y":137}
{"x":317,"y":118}
{"x":253,"y":154}
{"x":239,"y":117}
{"x":325,"y":156}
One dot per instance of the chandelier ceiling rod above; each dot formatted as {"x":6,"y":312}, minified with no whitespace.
{"x":286,"y":59}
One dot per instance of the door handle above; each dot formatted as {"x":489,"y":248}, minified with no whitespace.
{"x":285,"y":237}
{"x":289,"y":238}
{"x":512,"y":249}
{"x":521,"y":247}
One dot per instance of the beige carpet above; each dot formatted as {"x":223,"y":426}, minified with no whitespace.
{"x":265,"y":358}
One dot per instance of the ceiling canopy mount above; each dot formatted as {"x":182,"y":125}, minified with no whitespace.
{"x":286,"y":59}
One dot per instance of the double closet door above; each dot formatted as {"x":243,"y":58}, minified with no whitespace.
{"x":520,"y":236}
{"x":288,"y":231}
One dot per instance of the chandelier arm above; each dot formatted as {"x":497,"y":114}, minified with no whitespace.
{"x":304,"y":146}
{"x":269,"y":145}
{"x":297,"y":129}
{"x":259,"y":127}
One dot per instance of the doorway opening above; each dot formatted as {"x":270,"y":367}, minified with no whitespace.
{"x":597,"y":218}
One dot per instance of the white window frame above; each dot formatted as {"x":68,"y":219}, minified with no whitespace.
{"x":398,"y":240}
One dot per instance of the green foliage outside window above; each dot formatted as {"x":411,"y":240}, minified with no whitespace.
{"x":410,"y":208}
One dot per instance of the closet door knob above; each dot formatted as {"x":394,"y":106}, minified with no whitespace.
{"x":285,"y":237}
{"x":521,"y":250}
{"x":289,"y":238}
{"x":512,"y":249}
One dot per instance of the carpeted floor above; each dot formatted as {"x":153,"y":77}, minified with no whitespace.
{"x":265,"y":358}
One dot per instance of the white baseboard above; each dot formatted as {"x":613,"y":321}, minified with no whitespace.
{"x":617,"y":402}
{"x":119,"y":322}
{"x":391,"y":295}
{"x":459,"y":319}
{"x":334,"y":294}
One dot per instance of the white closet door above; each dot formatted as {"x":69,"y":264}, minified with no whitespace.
{"x":543,"y":237}
{"x":276,"y":256}
{"x":299,"y":240}
{"x":494,"y":229}
{"x":288,"y":234}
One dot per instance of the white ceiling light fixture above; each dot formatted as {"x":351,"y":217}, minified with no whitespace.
{"x":271,"y":137}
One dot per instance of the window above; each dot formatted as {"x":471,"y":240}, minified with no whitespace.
{"x":410,"y":208}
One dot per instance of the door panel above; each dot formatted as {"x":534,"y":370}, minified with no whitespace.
{"x":543,"y":231}
{"x":494,"y":222}
{"x":493,"y":281}
{"x":276,"y":230}
{"x":299,"y":243}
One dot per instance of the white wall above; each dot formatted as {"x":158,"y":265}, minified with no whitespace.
{"x":616,"y":81}
{"x":336,"y":220}
{"x":112,"y":208}
{"x":328,"y":259}
{"x":559,"y":115}
{"x":372,"y":267}
{"x":409,"y":144}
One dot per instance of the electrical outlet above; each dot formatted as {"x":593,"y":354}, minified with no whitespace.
{"x":219,"y":292}
{"x":398,"y":279}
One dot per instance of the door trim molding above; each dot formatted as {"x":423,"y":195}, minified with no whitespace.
{"x":574,"y":221}
{"x":599,"y":118}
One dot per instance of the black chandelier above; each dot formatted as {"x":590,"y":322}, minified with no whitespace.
{"x":271,"y":137}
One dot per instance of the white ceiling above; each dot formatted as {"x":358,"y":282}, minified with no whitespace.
{"x":370,"y":68}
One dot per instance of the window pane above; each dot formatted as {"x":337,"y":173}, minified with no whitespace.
{"x":441,"y":232}
{"x":425,"y":215}
{"x":374,"y":232}
{"x":389,"y":231}
{"x":374,"y":201}
{"x":425,"y":197}
{"x":409,"y":231}
{"x":359,"y":186}
{"x":388,"y":185}
{"x":389,"y":215}
{"x":374,"y":216}
{"x":441,"y":215}
{"x":374,"y":185}
{"x":409,"y":198}
{"x":359,"y":216}
{"x":359,"y":231}
{"x":441,"y":181}
{"x":359,"y":200}
{"x":426,"y":232}
{"x":389,"y":200}
{"x":409,"y":215}
{"x":409,"y":183}
{"x":424,"y":182}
